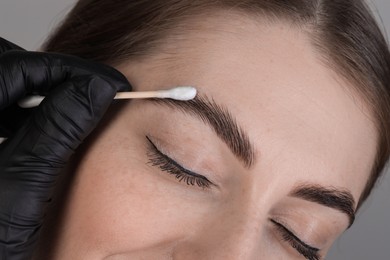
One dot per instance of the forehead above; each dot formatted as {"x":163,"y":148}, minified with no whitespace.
{"x":302,"y":117}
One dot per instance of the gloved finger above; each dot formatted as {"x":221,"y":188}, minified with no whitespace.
{"x":11,"y":118}
{"x":8,"y":124}
{"x":23,"y":72}
{"x":7,"y":46}
{"x":31,"y":160}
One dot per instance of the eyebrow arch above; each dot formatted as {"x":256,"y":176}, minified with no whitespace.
{"x":341,"y":200}
{"x":221,"y":121}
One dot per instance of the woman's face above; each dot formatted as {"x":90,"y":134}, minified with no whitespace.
{"x":264,"y":164}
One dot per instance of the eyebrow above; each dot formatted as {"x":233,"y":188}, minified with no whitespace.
{"x":221,"y":121}
{"x":341,"y":200}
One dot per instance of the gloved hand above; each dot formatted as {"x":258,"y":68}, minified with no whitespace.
{"x":78,"y":93}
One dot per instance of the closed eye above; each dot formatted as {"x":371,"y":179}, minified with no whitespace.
{"x":167,"y":164}
{"x":309,"y":252}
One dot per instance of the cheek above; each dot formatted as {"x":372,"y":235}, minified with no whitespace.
{"x":120,"y":203}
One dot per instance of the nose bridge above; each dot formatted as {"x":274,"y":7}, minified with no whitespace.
{"x":236,"y":239}
{"x":234,"y":233}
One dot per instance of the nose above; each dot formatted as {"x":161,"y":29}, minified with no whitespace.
{"x":230,"y":235}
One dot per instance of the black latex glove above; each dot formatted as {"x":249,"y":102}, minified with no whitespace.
{"x":78,"y":93}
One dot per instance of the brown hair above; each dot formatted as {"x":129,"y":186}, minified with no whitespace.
{"x":343,"y":31}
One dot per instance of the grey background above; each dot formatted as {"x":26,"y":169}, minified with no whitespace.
{"x":27,"y":22}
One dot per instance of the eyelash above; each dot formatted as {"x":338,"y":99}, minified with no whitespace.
{"x":167,"y":164}
{"x":307,"y":251}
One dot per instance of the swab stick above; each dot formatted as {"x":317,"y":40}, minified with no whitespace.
{"x":183,"y":93}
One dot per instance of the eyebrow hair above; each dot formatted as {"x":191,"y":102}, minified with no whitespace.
{"x":338,"y":199}
{"x":221,"y":121}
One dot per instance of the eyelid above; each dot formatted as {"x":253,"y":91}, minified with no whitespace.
{"x":179,"y":166}
{"x":292,"y":235}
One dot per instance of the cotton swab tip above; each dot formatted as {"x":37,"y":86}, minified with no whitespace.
{"x":184,"y":93}
{"x":30,"y":101}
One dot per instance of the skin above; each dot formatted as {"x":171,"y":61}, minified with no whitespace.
{"x":304,"y":122}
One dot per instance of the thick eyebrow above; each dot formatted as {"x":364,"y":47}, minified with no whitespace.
{"x":341,"y":200}
{"x":221,"y":121}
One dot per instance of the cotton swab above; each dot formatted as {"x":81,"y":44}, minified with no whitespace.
{"x":183,"y":93}
{"x":178,"y":93}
